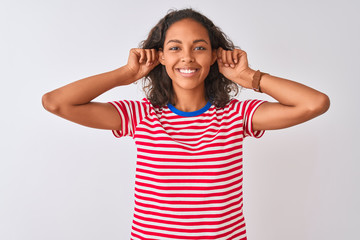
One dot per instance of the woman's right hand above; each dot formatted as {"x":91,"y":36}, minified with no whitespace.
{"x":141,"y":62}
{"x":74,"y":101}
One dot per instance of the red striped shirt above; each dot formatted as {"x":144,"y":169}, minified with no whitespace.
{"x":188,"y":182}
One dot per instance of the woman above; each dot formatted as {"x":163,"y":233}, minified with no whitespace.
{"x":189,"y":131}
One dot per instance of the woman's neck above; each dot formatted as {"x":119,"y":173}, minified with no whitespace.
{"x":190,"y":102}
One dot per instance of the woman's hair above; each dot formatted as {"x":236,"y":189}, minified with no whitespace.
{"x":158,"y":85}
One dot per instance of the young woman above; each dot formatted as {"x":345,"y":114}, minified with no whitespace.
{"x":189,"y":130}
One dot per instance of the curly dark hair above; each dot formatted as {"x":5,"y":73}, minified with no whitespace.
{"x":157,"y":84}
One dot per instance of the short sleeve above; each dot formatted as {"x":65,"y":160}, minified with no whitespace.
{"x":131,"y":113}
{"x":247,"y":109}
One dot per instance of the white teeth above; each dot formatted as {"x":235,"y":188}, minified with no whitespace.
{"x":187,"y":70}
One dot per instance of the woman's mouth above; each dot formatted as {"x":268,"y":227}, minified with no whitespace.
{"x":187,"y":72}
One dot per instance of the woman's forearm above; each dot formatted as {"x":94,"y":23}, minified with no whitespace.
{"x":293,"y":94}
{"x":85,"y":90}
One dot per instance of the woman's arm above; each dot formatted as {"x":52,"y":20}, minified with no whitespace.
{"x":297,"y":103}
{"x":73,"y":101}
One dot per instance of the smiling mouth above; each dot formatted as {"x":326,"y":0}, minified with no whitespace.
{"x":187,"y":71}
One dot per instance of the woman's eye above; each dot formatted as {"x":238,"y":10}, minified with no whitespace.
{"x":178,"y":48}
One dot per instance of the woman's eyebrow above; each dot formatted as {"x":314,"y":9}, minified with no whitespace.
{"x":195,"y":41}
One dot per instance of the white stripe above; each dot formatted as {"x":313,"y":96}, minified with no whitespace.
{"x":204,"y":126}
{"x":189,"y":220}
{"x":190,"y":177}
{"x":181,"y":184}
{"x":194,"y":151}
{"x":191,"y":227}
{"x":196,"y":199}
{"x":253,"y":134}
{"x":201,"y":122}
{"x":224,"y":142}
{"x":180,"y":135}
{"x":189,"y":163}
{"x":191,"y":191}
{"x":199,"y":212}
{"x":192,"y":234}
{"x":195,"y":145}
{"x":191,"y":157}
{"x":199,"y":170}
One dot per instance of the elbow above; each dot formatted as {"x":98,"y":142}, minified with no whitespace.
{"x":49,"y":103}
{"x":323,"y":103}
{"x":319,"y":105}
{"x":326,"y":103}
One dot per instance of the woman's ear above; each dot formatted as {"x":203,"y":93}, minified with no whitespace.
{"x":161,"y":56}
{"x":214,"y":56}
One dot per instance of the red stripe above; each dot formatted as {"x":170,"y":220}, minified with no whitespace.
{"x":192,"y":223}
{"x":198,"y":214}
{"x":199,"y":188}
{"x":225,"y":119}
{"x":194,"y":141}
{"x":195,"y":153}
{"x":189,"y":202}
{"x":203,"y":173}
{"x":184,"y":181}
{"x":177,"y":160}
{"x":171,"y":125}
{"x":153,"y":130}
{"x":158,"y":166}
{"x":224,"y":144}
{"x":196,"y":230}
{"x":183,"y":236}
{"x":188,"y":195}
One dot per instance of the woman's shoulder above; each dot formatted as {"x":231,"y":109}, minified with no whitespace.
{"x":233,"y":102}
{"x":146,"y":102}
{"x":130,"y":105}
{"x":241,"y":105}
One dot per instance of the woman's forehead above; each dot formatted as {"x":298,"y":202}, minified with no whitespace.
{"x":187,"y":29}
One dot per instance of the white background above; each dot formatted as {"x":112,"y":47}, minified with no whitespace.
{"x":59,"y":180}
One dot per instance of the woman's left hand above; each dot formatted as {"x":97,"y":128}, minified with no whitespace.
{"x":234,"y":66}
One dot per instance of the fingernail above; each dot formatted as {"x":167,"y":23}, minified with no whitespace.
{"x":226,"y":65}
{"x":232,"y":65}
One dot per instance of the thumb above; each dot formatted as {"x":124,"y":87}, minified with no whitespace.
{"x":134,"y":55}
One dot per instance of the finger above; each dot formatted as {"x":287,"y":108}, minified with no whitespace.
{"x":142,"y":56}
{"x":236,"y":56}
{"x":230,"y":58}
{"x":242,"y":55}
{"x":224,"y":58}
{"x":148,"y":56}
{"x":219,"y":54}
{"x":153,"y":55}
{"x":134,"y":55}
{"x":218,"y":57}
{"x":157,"y":56}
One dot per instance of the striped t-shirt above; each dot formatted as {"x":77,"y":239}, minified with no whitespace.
{"x":188,"y":182}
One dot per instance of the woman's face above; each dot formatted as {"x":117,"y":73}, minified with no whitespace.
{"x":187,"y":55}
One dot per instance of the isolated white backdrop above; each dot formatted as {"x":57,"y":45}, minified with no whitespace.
{"x":59,"y":180}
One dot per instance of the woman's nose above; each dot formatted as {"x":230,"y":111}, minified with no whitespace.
{"x":187,"y":56}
